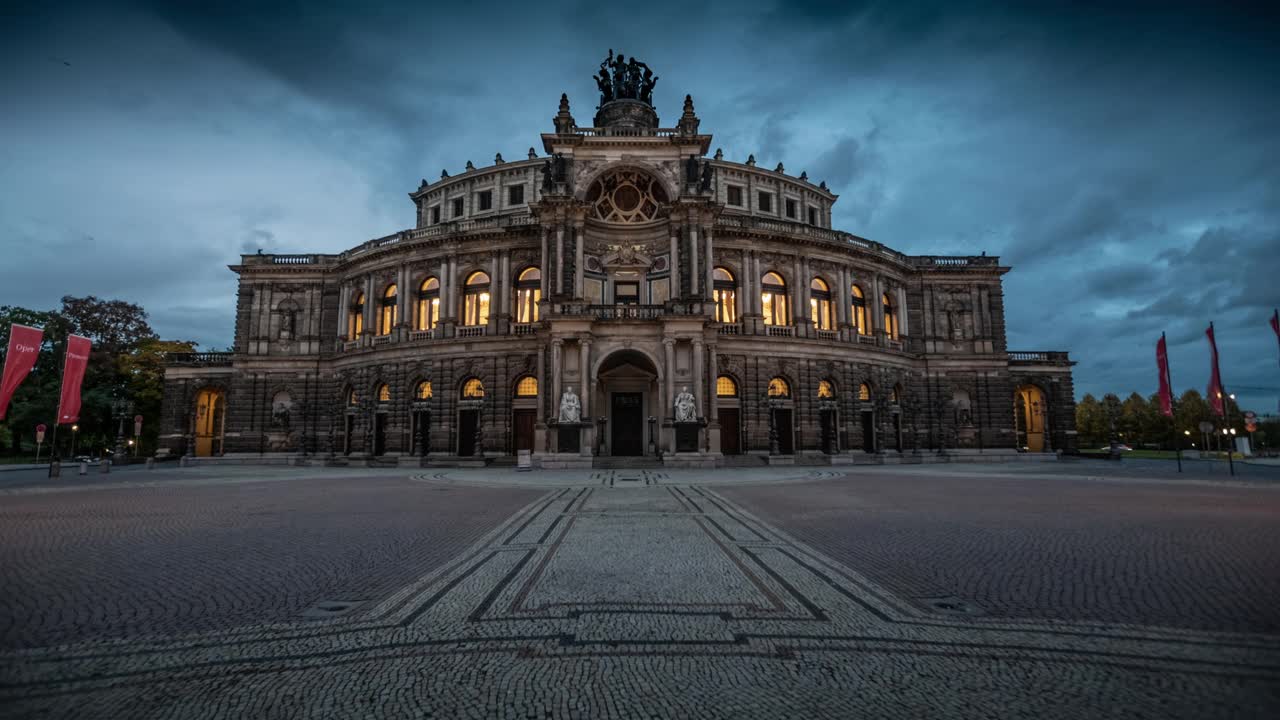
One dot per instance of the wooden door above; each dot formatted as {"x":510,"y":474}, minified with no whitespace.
{"x":522,"y":422}
{"x":786,"y":438}
{"x":730,"y":432}
{"x":627,"y":416}
{"x":467,"y":420}
{"x":868,"y":431}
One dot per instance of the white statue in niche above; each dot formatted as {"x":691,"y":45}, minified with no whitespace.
{"x":570,"y":407}
{"x":686,"y":406}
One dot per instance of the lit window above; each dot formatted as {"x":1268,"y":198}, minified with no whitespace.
{"x":825,"y":389}
{"x":384,"y":393}
{"x":725,"y":292}
{"x":476,"y":305}
{"x":428,"y":304}
{"x":423,"y":391}
{"x":864,"y":392}
{"x":527,"y":387}
{"x":779,"y":388}
{"x":355,"y":317}
{"x":528,"y":293}
{"x":895,"y":394}
{"x":890,"y":318}
{"x":821,"y":311}
{"x":352,"y":398}
{"x":473,"y":389}
{"x":860,"y":312}
{"x":387,"y":311}
{"x":726,"y":387}
{"x":773,"y":299}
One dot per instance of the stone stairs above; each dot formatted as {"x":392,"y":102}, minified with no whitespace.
{"x":625,"y":463}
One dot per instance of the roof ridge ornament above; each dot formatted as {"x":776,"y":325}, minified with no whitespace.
{"x":565,"y":123}
{"x":626,"y":93}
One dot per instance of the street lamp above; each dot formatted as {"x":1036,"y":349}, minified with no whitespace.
{"x":74,"y":429}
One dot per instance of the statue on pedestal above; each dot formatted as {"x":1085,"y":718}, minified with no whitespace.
{"x":570,"y":407}
{"x":686,"y":408}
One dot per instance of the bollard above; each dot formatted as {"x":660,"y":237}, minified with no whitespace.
{"x":151,"y":463}
{"x":104,"y":466}
{"x":84,"y":468}
{"x":55,"y":468}
{"x":182,"y":461}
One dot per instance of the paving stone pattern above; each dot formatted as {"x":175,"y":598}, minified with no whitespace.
{"x":662,"y":600}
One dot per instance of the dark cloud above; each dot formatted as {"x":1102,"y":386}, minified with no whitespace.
{"x":1120,"y":155}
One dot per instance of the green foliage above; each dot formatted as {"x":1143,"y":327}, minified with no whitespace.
{"x":127,"y":360}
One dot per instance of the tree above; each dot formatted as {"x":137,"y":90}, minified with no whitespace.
{"x":1091,"y":422}
{"x":1133,"y":412}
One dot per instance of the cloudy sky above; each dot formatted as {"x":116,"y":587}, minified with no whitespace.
{"x":1123,"y":159}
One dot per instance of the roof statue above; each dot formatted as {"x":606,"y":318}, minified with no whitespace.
{"x":622,"y":79}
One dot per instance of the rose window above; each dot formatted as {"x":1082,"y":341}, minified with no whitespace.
{"x":626,"y":196}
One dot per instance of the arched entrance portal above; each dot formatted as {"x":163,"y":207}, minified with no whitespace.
{"x":1029,"y":408}
{"x":211,"y":420}
{"x":628,"y":391}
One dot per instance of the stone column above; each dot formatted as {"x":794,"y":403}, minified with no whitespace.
{"x":587,"y":439}
{"x":845,"y":303}
{"x":556,"y":346}
{"x":370,"y":305}
{"x":698,"y":379}
{"x":799,"y":297}
{"x":579,"y":241}
{"x":495,"y":281}
{"x":903,"y":330}
{"x":344,"y":302}
{"x":675,"y":261}
{"x":402,"y":298}
{"x":559,"y":284}
{"x":504,"y":302}
{"x":543,"y":270}
{"x":877,"y":307}
{"x":669,"y":357}
{"x":744,"y":288}
{"x":708,"y":267}
{"x":693,"y":260}
{"x":713,"y":398}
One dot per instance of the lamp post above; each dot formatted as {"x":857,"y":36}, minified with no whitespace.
{"x":74,"y":429}
{"x":121,"y":409}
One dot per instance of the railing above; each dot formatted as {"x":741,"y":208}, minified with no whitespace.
{"x":381,"y":340}
{"x":624,"y":132}
{"x":464,"y":226}
{"x":1049,"y":357}
{"x":421,"y":334}
{"x":779,"y":330}
{"x":828,"y":335}
{"x":199,"y":358}
{"x":293,"y":259}
{"x":626,"y":312}
{"x":730,"y":329}
{"x":866,"y":340}
{"x":799,"y":229}
{"x":349,"y":345}
{"x":468,"y":331}
{"x":894,"y":344}
{"x":955,"y":260}
{"x":524,"y":329}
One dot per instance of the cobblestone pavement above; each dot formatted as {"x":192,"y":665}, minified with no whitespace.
{"x":634,"y":596}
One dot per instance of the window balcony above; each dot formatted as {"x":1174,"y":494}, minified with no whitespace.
{"x":199,"y":358}
{"x":730,"y":329}
{"x":349,"y":345}
{"x":524,"y":329}
{"x":421,"y":335}
{"x":866,"y":340}
{"x":471,"y":331}
{"x":828,"y":335}
{"x":779,"y":331}
{"x":381,"y":340}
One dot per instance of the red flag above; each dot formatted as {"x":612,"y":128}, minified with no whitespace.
{"x":1215,"y":377}
{"x":1166,"y":390}
{"x":24,"y":346}
{"x":72,"y":376}
{"x":1275,"y":323}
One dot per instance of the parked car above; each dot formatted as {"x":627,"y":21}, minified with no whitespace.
{"x":1120,"y":447}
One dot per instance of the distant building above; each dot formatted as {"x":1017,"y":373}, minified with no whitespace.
{"x":629,"y":267}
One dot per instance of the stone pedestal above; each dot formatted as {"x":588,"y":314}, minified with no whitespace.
{"x":572,"y":438}
{"x":686,"y":436}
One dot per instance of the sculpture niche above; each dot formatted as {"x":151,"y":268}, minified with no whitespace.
{"x":570,"y":407}
{"x":686,"y":422}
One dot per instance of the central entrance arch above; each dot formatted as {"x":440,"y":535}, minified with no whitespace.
{"x":627,"y":390}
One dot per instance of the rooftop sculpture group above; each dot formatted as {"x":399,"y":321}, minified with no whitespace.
{"x":622,"y":79}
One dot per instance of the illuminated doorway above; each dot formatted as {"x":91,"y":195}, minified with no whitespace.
{"x":211,"y":420}
{"x":1029,"y":409}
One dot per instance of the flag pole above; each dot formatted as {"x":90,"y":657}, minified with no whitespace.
{"x":1226,"y":414}
{"x":55,"y":458}
{"x":1168,"y":376}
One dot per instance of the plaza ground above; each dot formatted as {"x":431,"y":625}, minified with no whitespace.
{"x":1070,"y":589}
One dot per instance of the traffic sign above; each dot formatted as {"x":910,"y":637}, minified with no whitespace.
{"x":1206,"y":426}
{"x":40,"y":433}
{"x":137,"y":424}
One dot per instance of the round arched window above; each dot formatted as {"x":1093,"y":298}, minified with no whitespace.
{"x":626,"y":196}
{"x":473,"y":389}
{"x":826,"y":389}
{"x":527,"y":387}
{"x":779,"y":388}
{"x":384,"y":393}
{"x":423,"y":391}
{"x":726,"y":387}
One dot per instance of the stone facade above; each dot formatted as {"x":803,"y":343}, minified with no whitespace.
{"x":628,"y":265}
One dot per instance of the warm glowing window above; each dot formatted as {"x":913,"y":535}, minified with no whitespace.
{"x":527,"y":387}
{"x":476,"y":306}
{"x":528,"y":293}
{"x":726,"y":387}
{"x":860,"y":312}
{"x":895,"y":395}
{"x":387,"y":311}
{"x":779,"y":388}
{"x":423,"y":391}
{"x":428,"y":304}
{"x":384,"y":393}
{"x":352,"y":398}
{"x":473,"y":389}
{"x":864,"y":392}
{"x":890,"y":318}
{"x":725,"y":291}
{"x":773,"y":299}
{"x":821,"y":311}
{"x":355,"y":317}
{"x":826,"y":390}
